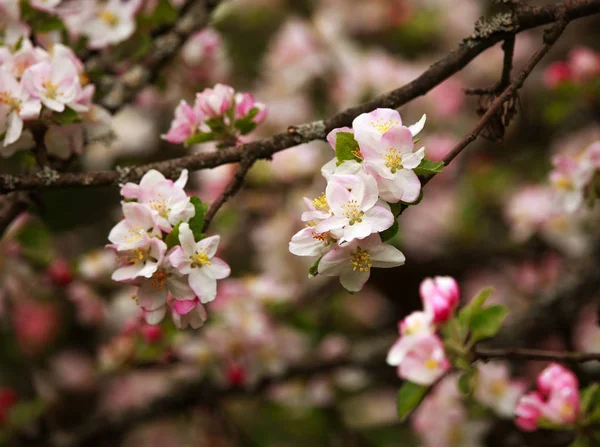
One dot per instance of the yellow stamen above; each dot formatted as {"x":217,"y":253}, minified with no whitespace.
{"x":564,"y":183}
{"x":8,"y":99}
{"x":159,"y":280}
{"x":383,"y":126}
{"x":200,"y":259}
{"x":431,"y":364}
{"x":393,"y":159}
{"x":498,"y":387}
{"x":321,"y":204}
{"x":361,"y":260}
{"x":110,"y":18}
{"x":51,"y":89}
{"x":353,"y":212}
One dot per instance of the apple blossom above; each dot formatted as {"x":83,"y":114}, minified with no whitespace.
{"x":556,"y":74}
{"x":166,"y":199}
{"x":412,"y":328}
{"x":16,"y":105}
{"x":154,"y":291}
{"x":440,"y":296}
{"x":496,"y":390}
{"x":569,"y":178}
{"x":55,"y":84}
{"x":354,"y":202}
{"x":197,"y":260}
{"x":529,"y":411}
{"x":141,"y":261}
{"x":352,"y":262}
{"x":188,"y":313}
{"x":425,"y":362}
{"x":307,"y":242}
{"x":584,"y":63}
{"x":136,"y":229}
{"x":244,"y":103}
{"x":185,"y":124}
{"x":112,"y":23}
{"x":369,"y":128}
{"x":215,"y":101}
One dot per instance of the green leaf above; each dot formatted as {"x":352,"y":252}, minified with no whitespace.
{"x":346,"y":147}
{"x":581,"y":441}
{"x":172,"y":238}
{"x":416,"y":139}
{"x":246,"y":125}
{"x":23,"y":413}
{"x":197,"y":222}
{"x":409,"y":397}
{"x":589,"y":395}
{"x":396,"y":208}
{"x":388,"y":234}
{"x":456,"y":331}
{"x":313,"y":270}
{"x":429,"y":167}
{"x":200,"y":137}
{"x":467,"y":382}
{"x":488,"y":322}
{"x":474,"y":307}
{"x":66,"y":117}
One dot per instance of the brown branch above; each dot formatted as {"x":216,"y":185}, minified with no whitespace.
{"x":232,"y":189}
{"x":534,"y":354}
{"x":486,"y":35}
{"x":166,"y":43}
{"x":550,"y":37}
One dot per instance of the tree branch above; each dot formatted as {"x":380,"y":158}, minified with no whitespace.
{"x":486,"y":35}
{"x":534,"y":354}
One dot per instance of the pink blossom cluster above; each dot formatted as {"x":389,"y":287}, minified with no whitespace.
{"x":218,"y":113}
{"x":556,"y":401}
{"x":344,"y":222}
{"x":177,"y":273}
{"x":419,"y":352}
{"x":582,"y":65}
{"x":572,"y":175}
{"x":35,"y":84}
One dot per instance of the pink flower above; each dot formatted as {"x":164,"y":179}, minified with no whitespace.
{"x":154,"y":291}
{"x":425,"y":362}
{"x":185,"y":124}
{"x":584,"y":64}
{"x":136,"y":229}
{"x":45,"y":5}
{"x":140,"y":262}
{"x":197,"y":259}
{"x":352,"y":262}
{"x":307,"y":242}
{"x":569,"y":179}
{"x":215,"y":101}
{"x":369,"y":128}
{"x":244,"y":103}
{"x":440,"y":296}
{"x":188,"y":313}
{"x":556,"y":74}
{"x":412,"y":328}
{"x":356,"y":209}
{"x":113,"y":23}
{"x":529,"y":411}
{"x":496,"y":390}
{"x":557,"y":400}
{"x":55,"y":83}
{"x":167,"y":200}
{"x":16,"y":105}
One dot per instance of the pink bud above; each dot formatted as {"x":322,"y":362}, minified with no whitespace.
{"x":236,"y":375}
{"x":584,"y":64}
{"x":553,"y":376}
{"x":216,"y":101}
{"x":60,"y":273}
{"x":556,"y":74}
{"x":8,"y":397}
{"x":151,"y":333}
{"x":528,"y":411}
{"x":440,"y":297}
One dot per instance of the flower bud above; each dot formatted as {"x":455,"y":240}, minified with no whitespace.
{"x":440,"y":296}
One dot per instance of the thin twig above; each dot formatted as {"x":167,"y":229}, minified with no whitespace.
{"x":534,"y":354}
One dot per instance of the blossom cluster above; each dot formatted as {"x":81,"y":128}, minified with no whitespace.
{"x":556,"y":401}
{"x":419,"y":352}
{"x":218,"y":113}
{"x":373,"y":171}
{"x":582,"y":65}
{"x":47,"y":85}
{"x":162,"y":251}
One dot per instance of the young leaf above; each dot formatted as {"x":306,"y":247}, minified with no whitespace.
{"x":409,"y":397}
{"x":197,"y":222}
{"x":386,"y":235}
{"x":172,"y":238}
{"x":396,"y":208}
{"x":200,"y":137}
{"x":474,"y":307}
{"x":429,"y":167}
{"x":488,"y":322}
{"x":346,"y":147}
{"x":68,"y":116}
{"x":590,"y":396}
{"x":467,"y":382}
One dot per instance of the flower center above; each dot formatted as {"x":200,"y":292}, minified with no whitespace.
{"x":323,"y":237}
{"x":498,"y":387}
{"x":361,"y":260}
{"x":564,"y":183}
{"x":321,"y":204}
{"x":51,"y":89}
{"x":159,"y":280}
{"x":353,"y":212}
{"x":200,"y":259}
{"x":135,"y":234}
{"x":110,"y":18}
{"x":134,"y":256}
{"x":431,"y":364}
{"x":393,"y":159}
{"x":566,"y":410}
{"x":383,"y":126}
{"x":8,"y":99}
{"x":160,"y":205}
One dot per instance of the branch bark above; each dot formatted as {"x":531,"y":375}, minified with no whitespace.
{"x":534,"y":354}
{"x":487,"y":33}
